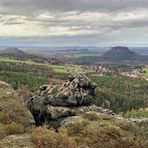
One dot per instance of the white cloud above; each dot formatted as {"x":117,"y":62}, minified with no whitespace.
{"x":72,"y":23}
{"x":99,"y":18}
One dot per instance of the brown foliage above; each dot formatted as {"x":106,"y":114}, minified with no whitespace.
{"x":14,"y":128}
{"x":44,"y":138}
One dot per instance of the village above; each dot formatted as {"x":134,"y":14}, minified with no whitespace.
{"x":108,"y":70}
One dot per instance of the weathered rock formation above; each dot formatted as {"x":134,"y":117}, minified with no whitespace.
{"x":53,"y":103}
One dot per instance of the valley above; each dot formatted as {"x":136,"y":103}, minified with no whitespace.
{"x":115,"y":80}
{"x":73,"y":74}
{"x":69,"y":93}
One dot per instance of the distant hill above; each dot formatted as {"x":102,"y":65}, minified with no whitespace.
{"x":18,"y":54}
{"x":12,"y":52}
{"x":117,"y":54}
{"x":120,"y":53}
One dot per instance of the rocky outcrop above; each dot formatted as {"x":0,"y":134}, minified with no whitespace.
{"x":139,"y":122}
{"x":53,"y":103}
{"x":17,"y":141}
{"x":87,"y":116}
{"x":12,"y":109}
{"x":78,"y":90}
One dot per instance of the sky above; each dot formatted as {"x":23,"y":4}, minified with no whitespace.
{"x":73,"y":22}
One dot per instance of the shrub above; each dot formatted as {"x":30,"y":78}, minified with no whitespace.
{"x":2,"y":134}
{"x":76,"y":128}
{"x":14,"y":128}
{"x":4,"y":117}
{"x":2,"y":131}
{"x":44,"y":138}
{"x":90,"y":116}
{"x":136,"y":114}
{"x":94,"y":135}
{"x":125,"y":125}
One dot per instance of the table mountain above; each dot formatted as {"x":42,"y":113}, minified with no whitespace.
{"x":120,"y":53}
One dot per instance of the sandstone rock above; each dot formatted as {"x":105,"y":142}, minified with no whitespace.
{"x":17,"y":141}
{"x":56,"y":112}
{"x":83,"y":117}
{"x":54,"y":103}
{"x":139,"y":122}
{"x":12,"y":107}
{"x":77,"y":91}
{"x":71,"y":120}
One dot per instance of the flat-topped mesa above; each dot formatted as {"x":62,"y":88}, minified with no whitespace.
{"x":77,"y":91}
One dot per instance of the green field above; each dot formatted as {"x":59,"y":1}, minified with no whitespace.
{"x":136,"y":114}
{"x":28,"y":74}
{"x":56,"y":68}
{"x":146,"y":70}
{"x":79,"y":55}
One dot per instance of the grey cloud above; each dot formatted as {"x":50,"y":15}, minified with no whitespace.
{"x":70,"y":14}
{"x":37,"y":6}
{"x":61,"y":8}
{"x":12,"y":23}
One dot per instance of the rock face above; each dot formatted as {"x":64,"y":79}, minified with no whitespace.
{"x":52,"y":104}
{"x":12,"y":108}
{"x":78,"y":90}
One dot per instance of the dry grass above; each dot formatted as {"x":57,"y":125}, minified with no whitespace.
{"x":44,"y":138}
{"x":14,"y":128}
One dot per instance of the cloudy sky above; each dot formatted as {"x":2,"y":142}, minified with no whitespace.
{"x":74,"y":22}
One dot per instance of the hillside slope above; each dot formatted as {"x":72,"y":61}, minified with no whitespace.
{"x":89,"y":127}
{"x":12,"y":52}
{"x":14,"y":116}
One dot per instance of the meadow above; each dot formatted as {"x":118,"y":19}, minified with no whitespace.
{"x":29,"y":74}
{"x":79,"y":55}
{"x":146,"y":71}
{"x":56,"y":68}
{"x":136,"y":114}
